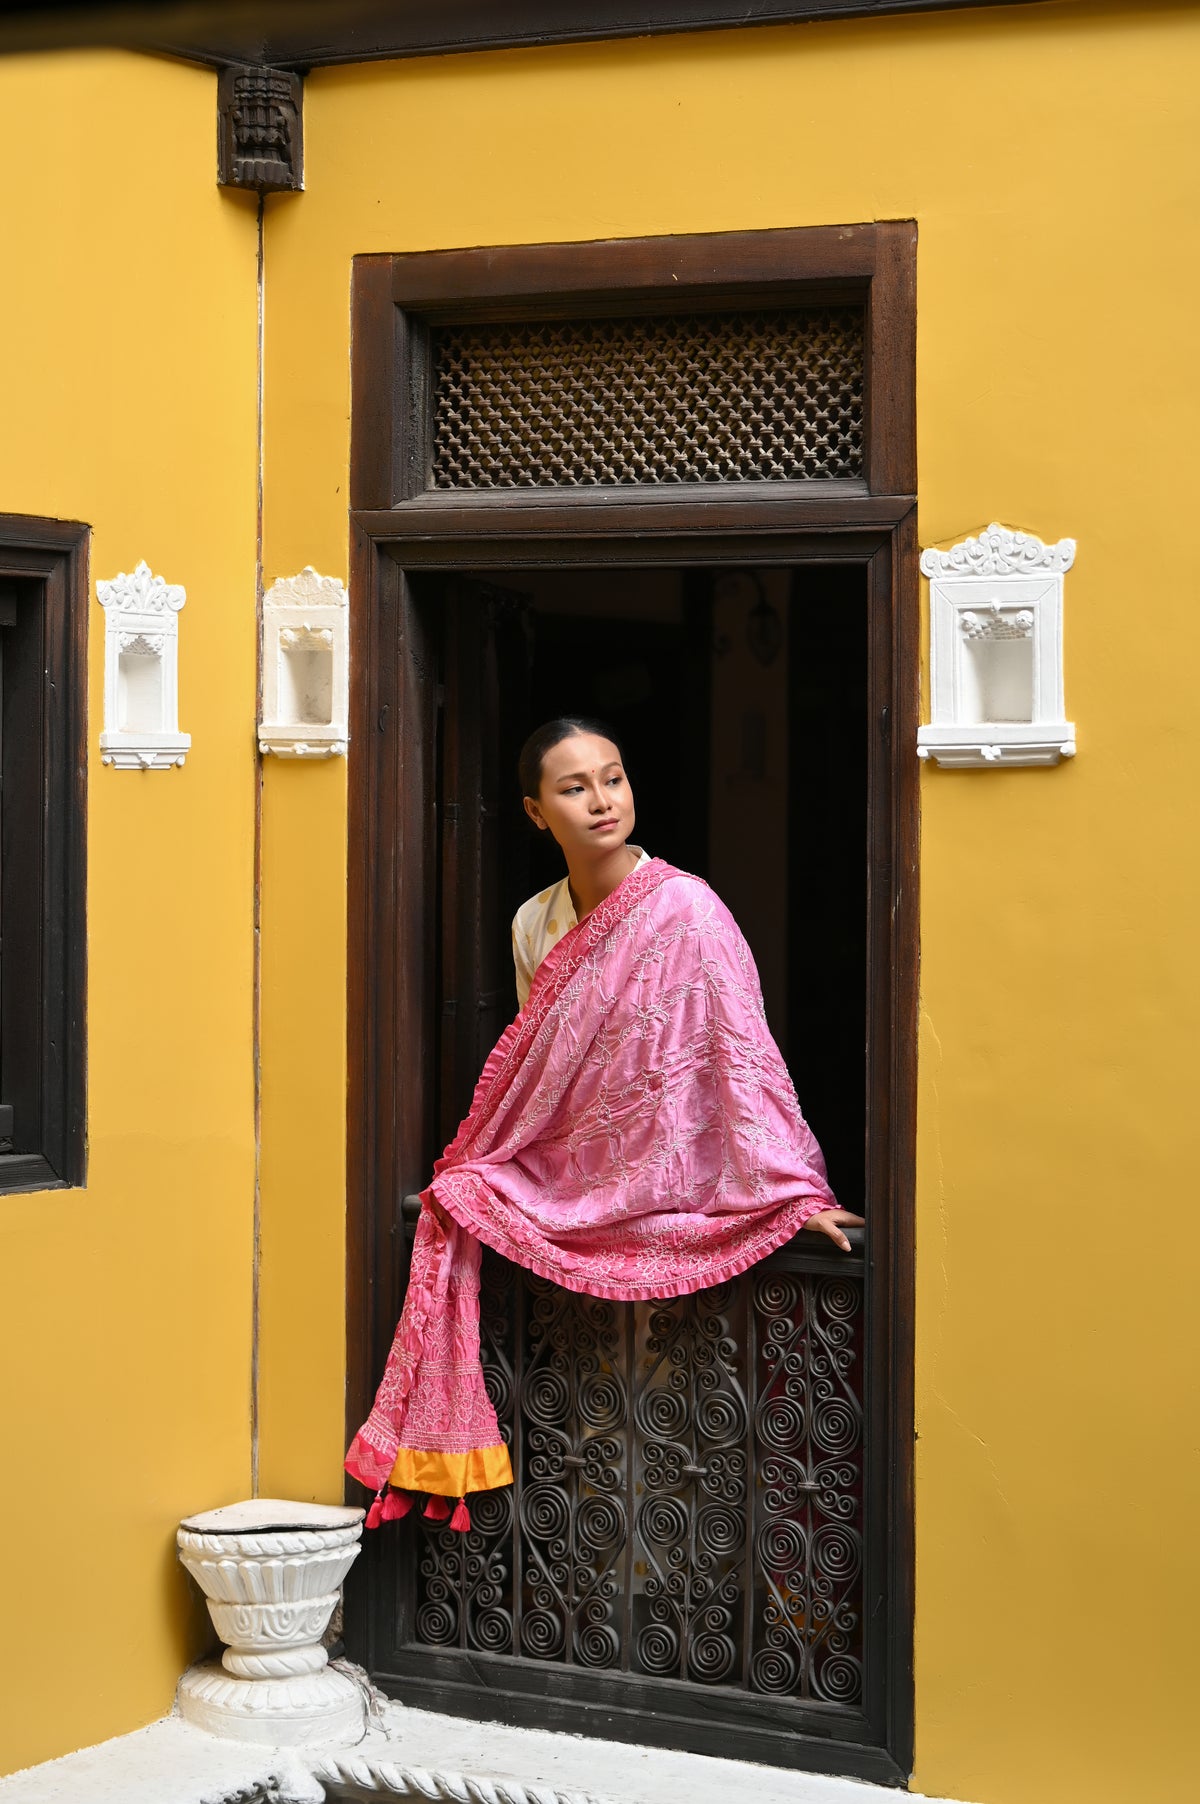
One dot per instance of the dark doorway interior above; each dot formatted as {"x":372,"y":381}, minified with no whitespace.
{"x":740,"y":699}
{"x":692,"y":1552}
{"x":682,"y":1556}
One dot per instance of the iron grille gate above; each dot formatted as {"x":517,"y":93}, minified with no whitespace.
{"x":688,"y":1492}
{"x":686,"y":1524}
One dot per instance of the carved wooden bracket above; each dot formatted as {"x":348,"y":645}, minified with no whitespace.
{"x":260,"y":129}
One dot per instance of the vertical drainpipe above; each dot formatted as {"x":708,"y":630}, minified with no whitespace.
{"x":260,"y":147}
{"x":255,"y":1283}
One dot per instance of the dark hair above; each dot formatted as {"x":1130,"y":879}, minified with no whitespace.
{"x":546,"y":737}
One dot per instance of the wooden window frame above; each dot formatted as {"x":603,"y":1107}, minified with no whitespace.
{"x":398,"y":525}
{"x":43,"y":868}
{"x":396,"y":299}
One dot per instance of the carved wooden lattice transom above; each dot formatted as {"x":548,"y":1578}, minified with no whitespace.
{"x":771,"y":396}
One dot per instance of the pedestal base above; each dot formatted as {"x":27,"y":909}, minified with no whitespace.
{"x":271,"y":1571}
{"x":310,"y":1708}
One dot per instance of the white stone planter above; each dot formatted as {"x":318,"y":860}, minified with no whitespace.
{"x":272,"y":1573}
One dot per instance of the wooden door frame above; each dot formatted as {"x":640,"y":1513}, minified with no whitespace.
{"x":397,"y":526}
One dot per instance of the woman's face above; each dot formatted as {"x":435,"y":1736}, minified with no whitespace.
{"x":584,"y":799}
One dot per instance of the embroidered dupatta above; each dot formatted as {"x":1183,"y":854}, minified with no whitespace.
{"x":634,"y":1134}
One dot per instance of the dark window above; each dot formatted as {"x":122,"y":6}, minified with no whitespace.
{"x":43,"y":643}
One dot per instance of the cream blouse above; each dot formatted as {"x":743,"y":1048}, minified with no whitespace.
{"x":540,"y":923}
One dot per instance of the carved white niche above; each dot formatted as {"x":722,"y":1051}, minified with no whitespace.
{"x":995,"y":645}
{"x":306,"y":667}
{"x":141,"y":672}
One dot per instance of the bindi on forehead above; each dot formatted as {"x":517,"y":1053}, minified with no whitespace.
{"x":577,"y":761}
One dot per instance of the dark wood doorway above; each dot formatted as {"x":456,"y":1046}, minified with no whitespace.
{"x":470,"y":614}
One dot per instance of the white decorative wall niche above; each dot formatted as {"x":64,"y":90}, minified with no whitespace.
{"x":141,"y":672}
{"x":995,"y":649}
{"x":306,"y":667}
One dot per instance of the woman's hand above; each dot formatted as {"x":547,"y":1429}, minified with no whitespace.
{"x":832,"y":1221}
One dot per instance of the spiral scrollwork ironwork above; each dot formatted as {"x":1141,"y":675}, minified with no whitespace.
{"x":464,"y":1582}
{"x":688,"y":1503}
{"x":808,"y":1543}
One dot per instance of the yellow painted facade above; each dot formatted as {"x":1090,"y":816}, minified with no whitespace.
{"x":128,"y":397}
{"x":1048,"y":155}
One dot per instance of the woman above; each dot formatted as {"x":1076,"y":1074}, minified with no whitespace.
{"x":634,"y":1133}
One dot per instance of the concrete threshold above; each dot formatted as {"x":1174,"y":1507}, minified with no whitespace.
{"x":414,"y":1754}
{"x":168,"y":1763}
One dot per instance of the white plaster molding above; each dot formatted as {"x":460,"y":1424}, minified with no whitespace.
{"x":141,"y":672}
{"x":995,"y":648}
{"x":998,"y":551}
{"x":996,"y":622}
{"x":307,"y":590}
{"x":306,"y":638}
{"x":141,"y":592}
{"x":297,"y":1712}
{"x":272,"y":1573}
{"x":305,"y":667}
{"x":992,"y":746}
{"x":437,"y":1787}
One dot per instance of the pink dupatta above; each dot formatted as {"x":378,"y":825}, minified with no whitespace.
{"x":634,"y":1134}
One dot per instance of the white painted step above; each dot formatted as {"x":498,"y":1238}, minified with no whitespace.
{"x":168,"y":1763}
{"x":419,"y":1755}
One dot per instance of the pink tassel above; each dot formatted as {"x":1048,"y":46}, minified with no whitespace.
{"x":375,"y":1513}
{"x":437,"y":1509}
{"x":395,"y":1505}
{"x":461,"y":1519}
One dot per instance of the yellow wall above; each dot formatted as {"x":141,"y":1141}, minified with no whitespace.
{"x":128,"y":400}
{"x":1049,"y":155}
